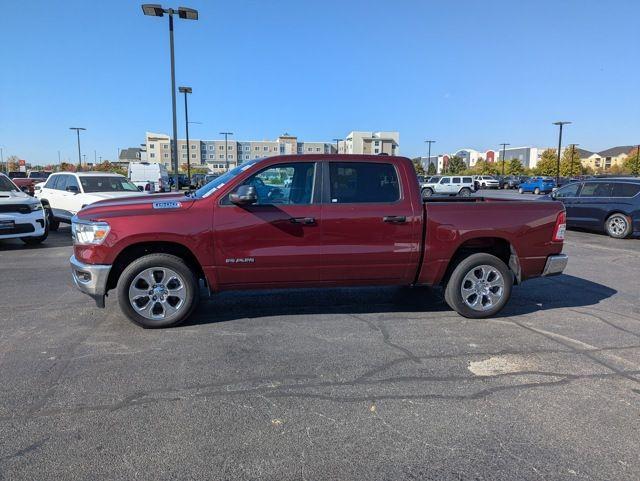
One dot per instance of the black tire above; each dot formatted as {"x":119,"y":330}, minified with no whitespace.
{"x":618,"y":226}
{"x":52,"y":222}
{"x":464,"y":192}
{"x":453,"y":294}
{"x":536,"y":191}
{"x":427,"y":192}
{"x":159,"y":261}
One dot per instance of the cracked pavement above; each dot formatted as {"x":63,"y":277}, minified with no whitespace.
{"x":366,"y":384}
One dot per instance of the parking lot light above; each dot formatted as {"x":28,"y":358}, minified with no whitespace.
{"x":504,"y":153}
{"x":185,"y":91}
{"x":78,"y":129}
{"x":559,"y":124}
{"x":156,"y":10}
{"x":429,"y":142}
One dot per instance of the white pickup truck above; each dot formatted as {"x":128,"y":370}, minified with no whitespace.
{"x":66,"y":193}
{"x":21,"y":216}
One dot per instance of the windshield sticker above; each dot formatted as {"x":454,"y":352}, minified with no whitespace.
{"x":167,"y":205}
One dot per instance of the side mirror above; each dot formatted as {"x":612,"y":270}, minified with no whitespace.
{"x":244,"y":195}
{"x":140,"y":188}
{"x":73,"y":189}
{"x":25,"y":189}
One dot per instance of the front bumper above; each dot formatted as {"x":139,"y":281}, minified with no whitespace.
{"x":24,"y":225}
{"x":555,"y":265}
{"x":90,"y":279}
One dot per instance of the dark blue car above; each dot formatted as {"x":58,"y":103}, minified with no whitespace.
{"x":609,"y":205}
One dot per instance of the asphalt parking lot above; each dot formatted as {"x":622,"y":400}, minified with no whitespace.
{"x":366,"y":384}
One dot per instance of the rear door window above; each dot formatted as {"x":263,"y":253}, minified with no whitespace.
{"x":456,"y":180}
{"x":363,"y":182}
{"x":467,"y":180}
{"x":596,"y":189}
{"x":625,"y":189}
{"x":62,"y":182}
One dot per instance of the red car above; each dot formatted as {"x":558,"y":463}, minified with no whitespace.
{"x":311,"y":221}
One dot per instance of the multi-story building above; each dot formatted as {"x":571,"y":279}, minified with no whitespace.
{"x":220,"y":156}
{"x":528,"y":156}
{"x":605,"y":159}
{"x":370,"y":143}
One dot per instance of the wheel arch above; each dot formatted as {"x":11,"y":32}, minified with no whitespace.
{"x":135,"y":251}
{"x":496,"y":246}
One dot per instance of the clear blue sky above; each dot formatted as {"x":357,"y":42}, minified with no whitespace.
{"x":465,"y":73}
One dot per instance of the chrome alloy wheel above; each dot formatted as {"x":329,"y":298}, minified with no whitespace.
{"x":157,"y":293}
{"x":617,"y":225}
{"x":482,"y":288}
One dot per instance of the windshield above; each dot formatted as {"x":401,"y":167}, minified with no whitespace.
{"x":208,"y":189}
{"x":107,"y":184}
{"x":6,"y":185}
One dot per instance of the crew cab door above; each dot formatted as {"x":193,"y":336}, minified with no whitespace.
{"x":276,"y":241}
{"x":371,"y":227}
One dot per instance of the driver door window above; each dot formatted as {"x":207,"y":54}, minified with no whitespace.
{"x":570,"y":190}
{"x":284,"y":184}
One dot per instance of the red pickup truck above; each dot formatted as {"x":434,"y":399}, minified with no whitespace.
{"x":311,"y":221}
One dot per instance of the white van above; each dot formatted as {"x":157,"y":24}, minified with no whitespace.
{"x":152,"y":177}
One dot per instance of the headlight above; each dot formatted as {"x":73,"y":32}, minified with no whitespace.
{"x":35,"y":206}
{"x":89,"y":232}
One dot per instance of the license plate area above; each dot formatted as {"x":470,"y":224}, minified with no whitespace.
{"x":7,"y":224}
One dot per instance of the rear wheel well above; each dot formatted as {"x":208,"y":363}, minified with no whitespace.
{"x":135,"y":251}
{"x":496,"y":246}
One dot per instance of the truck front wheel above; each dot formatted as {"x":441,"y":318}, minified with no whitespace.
{"x":157,"y":290}
{"x":479,"y":286}
{"x":427,"y":192}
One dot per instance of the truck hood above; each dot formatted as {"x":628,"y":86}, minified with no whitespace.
{"x":144,"y":204}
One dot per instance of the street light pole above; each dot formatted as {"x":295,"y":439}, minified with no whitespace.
{"x":573,"y":153}
{"x":226,"y":152}
{"x":504,"y":153}
{"x":429,"y":142}
{"x":78,"y":129}
{"x":155,"y":10}
{"x":337,"y":141}
{"x":559,"y":124}
{"x":185,"y":91}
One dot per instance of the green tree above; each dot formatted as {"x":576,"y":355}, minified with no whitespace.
{"x":106,"y":166}
{"x":417,"y":164}
{"x":547,"y":165}
{"x":432,"y":169}
{"x":515,"y":167}
{"x":12,"y":162}
{"x":632,"y":162}
{"x":456,"y":165}
{"x":570,"y":164}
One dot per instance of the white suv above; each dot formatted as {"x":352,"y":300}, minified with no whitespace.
{"x":65,"y":193}
{"x":486,"y":182}
{"x":461,"y":185}
{"x":21,"y":216}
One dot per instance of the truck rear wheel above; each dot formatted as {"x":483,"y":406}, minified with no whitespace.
{"x":157,"y":290}
{"x":479,"y":286}
{"x":427,"y":192}
{"x":464,"y":192}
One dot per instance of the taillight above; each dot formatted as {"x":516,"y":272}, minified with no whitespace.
{"x":561,"y":226}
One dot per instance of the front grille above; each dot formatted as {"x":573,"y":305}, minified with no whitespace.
{"x":18,"y":229}
{"x":12,"y":208}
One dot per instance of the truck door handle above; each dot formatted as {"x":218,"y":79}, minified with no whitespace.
{"x":394,"y":219}
{"x":303,"y":220}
